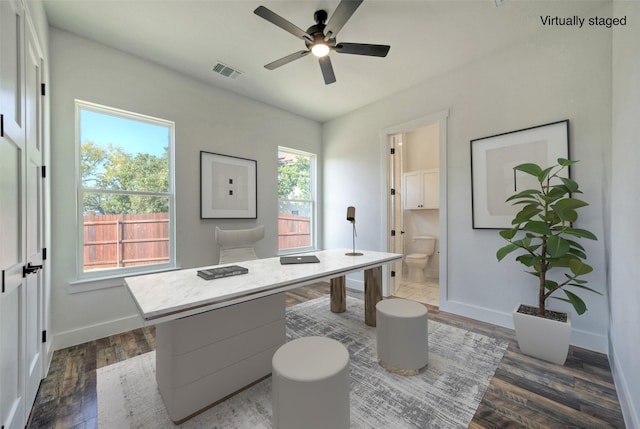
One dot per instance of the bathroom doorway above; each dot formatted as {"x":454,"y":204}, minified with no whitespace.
{"x":416,"y":209}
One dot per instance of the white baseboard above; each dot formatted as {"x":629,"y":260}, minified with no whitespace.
{"x":579,"y":338}
{"x":478,"y":313}
{"x":355,"y":284}
{"x":74,"y":337}
{"x":627,"y":403}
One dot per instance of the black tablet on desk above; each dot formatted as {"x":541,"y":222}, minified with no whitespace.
{"x":301,"y":259}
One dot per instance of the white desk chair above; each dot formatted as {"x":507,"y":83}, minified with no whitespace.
{"x":237,"y":245}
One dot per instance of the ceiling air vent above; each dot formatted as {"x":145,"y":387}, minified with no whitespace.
{"x":226,"y":71}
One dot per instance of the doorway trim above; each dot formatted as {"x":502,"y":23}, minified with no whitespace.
{"x":385,"y":200}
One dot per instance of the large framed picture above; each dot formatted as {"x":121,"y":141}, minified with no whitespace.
{"x":493,"y":178}
{"x":228,"y":187}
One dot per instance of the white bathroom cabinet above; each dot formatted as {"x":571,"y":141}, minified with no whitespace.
{"x":421,"y":189}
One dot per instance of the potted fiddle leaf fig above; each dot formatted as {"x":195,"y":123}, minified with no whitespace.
{"x":547,"y":244}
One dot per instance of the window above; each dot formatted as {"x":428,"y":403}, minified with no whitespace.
{"x":296,"y":200}
{"x":125,"y":192}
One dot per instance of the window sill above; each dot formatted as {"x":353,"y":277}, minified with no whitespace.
{"x":98,"y":283}
{"x":296,"y":251}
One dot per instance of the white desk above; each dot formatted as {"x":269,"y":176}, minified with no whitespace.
{"x":203,"y":356}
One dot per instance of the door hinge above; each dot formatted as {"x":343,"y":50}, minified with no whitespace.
{"x":43,"y":89}
{"x":44,"y":253}
{"x":2,"y":281}
{"x":393,"y":273}
{"x":393,"y":232}
{"x":1,"y":125}
{"x":393,"y":151}
{"x":393,"y":191}
{"x":44,"y":171}
{"x":44,"y":336}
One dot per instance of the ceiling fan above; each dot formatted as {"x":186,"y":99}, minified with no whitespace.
{"x":320,"y":38}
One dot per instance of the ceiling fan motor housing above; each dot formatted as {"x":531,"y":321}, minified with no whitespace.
{"x":319,"y":43}
{"x":320,"y":16}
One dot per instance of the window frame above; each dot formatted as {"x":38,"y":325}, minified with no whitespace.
{"x":313,"y":179}
{"x":121,"y":272}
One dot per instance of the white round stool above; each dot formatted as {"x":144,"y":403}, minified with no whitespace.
{"x":310,"y":382}
{"x":402,"y":336}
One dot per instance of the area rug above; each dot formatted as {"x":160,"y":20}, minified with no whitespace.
{"x":444,"y":395}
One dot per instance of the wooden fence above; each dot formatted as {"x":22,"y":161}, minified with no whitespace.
{"x":112,"y":241}
{"x":293,"y":231}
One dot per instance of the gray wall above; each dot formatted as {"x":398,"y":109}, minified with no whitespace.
{"x":206,"y":119}
{"x":560,"y":74}
{"x":624,"y":334}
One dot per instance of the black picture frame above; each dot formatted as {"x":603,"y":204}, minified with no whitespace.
{"x":228,"y":187}
{"x":493,"y":179}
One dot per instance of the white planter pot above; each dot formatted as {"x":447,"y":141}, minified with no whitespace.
{"x":542,"y":338}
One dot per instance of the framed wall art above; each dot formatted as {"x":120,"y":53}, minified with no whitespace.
{"x":228,"y":187}
{"x":493,"y":178}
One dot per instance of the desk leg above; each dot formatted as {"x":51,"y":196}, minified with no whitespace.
{"x":372,"y":294}
{"x":338,"y":295}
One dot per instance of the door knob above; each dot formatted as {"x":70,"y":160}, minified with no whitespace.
{"x":29,"y":269}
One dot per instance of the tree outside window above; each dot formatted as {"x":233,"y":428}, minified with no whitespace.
{"x":296,"y":200}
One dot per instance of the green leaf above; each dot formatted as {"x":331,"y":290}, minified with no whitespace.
{"x":566,"y":162}
{"x":557,"y":246}
{"x":578,"y":253}
{"x":584,"y":287}
{"x":508,"y":234}
{"x":527,"y":260}
{"x":529,"y":168}
{"x":528,"y":212}
{"x":524,"y":194}
{"x":570,"y":216}
{"x":527,"y":201}
{"x":575,"y":244}
{"x":544,"y":173}
{"x":579,"y":268}
{"x":560,"y":262}
{"x":582,"y":233}
{"x":504,"y":251}
{"x":537,"y":227}
{"x":578,"y":304}
{"x":571,"y":185}
{"x":570,"y":203}
{"x":550,"y":285}
{"x":556,"y":192}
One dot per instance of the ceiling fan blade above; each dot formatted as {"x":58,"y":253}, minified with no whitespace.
{"x":286,"y":60}
{"x":340,"y":16}
{"x":363,"y":49}
{"x":327,"y":70}
{"x":276,"y":19}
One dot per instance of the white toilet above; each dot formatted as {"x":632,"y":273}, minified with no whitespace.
{"x":423,"y":247}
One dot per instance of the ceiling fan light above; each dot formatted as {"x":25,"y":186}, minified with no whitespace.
{"x":320,"y":50}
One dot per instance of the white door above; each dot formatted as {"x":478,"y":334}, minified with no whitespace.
{"x":12,"y":217}
{"x":34,"y":220}
{"x":395,"y":207}
{"x":21,"y":217}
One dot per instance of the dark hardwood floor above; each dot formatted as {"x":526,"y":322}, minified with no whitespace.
{"x":525,"y":392}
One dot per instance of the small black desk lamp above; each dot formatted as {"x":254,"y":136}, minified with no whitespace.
{"x":351,"y":217}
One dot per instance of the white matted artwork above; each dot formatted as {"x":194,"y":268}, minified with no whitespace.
{"x":227,"y":187}
{"x":493,"y":178}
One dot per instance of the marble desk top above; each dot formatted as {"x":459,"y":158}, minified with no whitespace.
{"x":172,"y":295}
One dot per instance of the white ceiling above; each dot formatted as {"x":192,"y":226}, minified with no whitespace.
{"x":427,"y":38}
